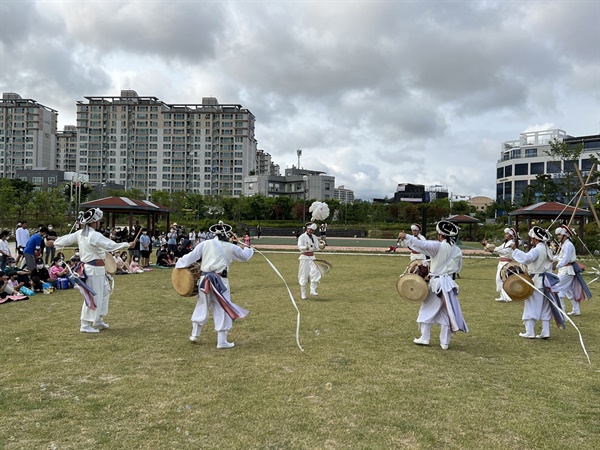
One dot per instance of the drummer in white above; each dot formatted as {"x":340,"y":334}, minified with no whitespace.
{"x":571,"y":284}
{"x":213,"y":293}
{"x":441,"y":305}
{"x":505,"y":252}
{"x":539,"y":265}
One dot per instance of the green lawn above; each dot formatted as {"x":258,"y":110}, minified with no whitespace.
{"x":360,"y":383}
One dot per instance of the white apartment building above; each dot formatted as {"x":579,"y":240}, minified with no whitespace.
{"x":521,"y":160}
{"x":66,"y":149}
{"x":265,"y":164}
{"x":296,"y":183}
{"x":147,"y":144}
{"x":343,"y":195}
{"x":27,"y":135}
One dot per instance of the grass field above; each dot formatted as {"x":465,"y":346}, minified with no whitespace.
{"x":360,"y":383}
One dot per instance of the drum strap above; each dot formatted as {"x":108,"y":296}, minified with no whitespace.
{"x":96,"y":262}
{"x":222,"y":274}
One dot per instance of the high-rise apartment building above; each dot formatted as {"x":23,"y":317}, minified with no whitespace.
{"x":27,"y":135}
{"x":66,"y":149}
{"x":146,"y":144}
{"x":343,"y":195}
{"x":265,"y":165}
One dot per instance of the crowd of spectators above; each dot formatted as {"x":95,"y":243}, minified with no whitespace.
{"x":34,"y":262}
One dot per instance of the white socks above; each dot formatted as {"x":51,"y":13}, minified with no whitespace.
{"x":222,"y":340}
{"x":425,"y":331}
{"x":196,"y":329}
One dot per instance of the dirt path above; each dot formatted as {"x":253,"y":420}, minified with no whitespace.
{"x":334,"y":249}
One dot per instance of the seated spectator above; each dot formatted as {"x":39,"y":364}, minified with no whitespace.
{"x":179,"y":252}
{"x":164,"y":260}
{"x":39,"y":275}
{"x":18,"y":277}
{"x":122,"y":266}
{"x":7,"y":292}
{"x":58,"y":270}
{"x":4,"y":249}
{"x":134,"y":266}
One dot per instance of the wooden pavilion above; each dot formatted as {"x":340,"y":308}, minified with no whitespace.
{"x":119,"y":206}
{"x":557,"y":212}
{"x":462,"y":219}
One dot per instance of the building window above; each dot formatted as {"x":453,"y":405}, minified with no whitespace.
{"x":519,"y":188}
{"x":521,"y":169}
{"x":571,"y":164}
{"x":536,"y":168}
{"x":508,"y":171}
{"x":531,"y":152}
{"x":586,"y":164}
{"x":499,"y":173}
{"x":553,"y":167}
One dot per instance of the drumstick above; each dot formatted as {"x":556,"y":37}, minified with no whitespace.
{"x":138,"y":235}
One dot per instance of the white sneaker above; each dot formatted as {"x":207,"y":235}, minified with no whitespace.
{"x":225,"y":345}
{"x":314,"y":293}
{"x":543,"y":336}
{"x":573,"y":313}
{"x":444,"y":346}
{"x":194,"y":339}
{"x":88,"y":329}
{"x":303,"y":296}
{"x":101,"y":325}
{"x":527,"y":336}
{"x":420,"y":341}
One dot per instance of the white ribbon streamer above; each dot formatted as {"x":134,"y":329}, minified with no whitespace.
{"x":291,"y":298}
{"x":565,"y":315}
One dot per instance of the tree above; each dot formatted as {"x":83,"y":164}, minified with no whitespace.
{"x":49,"y":205}
{"x":462,"y":207}
{"x":438,"y":209}
{"x":411,"y":213}
{"x":545,"y":188}
{"x":568,"y":155}
{"x":161,"y":197}
{"x":7,"y":200}
{"x":528,"y":196}
{"x":135,"y":193}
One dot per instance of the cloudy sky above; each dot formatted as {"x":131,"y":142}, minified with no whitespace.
{"x":375,"y":93}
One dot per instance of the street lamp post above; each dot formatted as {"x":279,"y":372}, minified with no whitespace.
{"x":305,"y":180}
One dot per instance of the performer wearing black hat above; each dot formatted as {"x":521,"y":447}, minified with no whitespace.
{"x":92,"y":251}
{"x":539,"y":265}
{"x":441,"y":305}
{"x":213,"y":293}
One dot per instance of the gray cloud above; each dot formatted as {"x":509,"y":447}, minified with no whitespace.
{"x":376,"y":93}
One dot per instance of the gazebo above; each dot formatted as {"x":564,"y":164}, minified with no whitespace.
{"x":554,"y":211}
{"x":462,"y":219}
{"x":113,"y":206}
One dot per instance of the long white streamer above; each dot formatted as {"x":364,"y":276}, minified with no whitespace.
{"x":565,"y":315}
{"x":291,"y":298}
